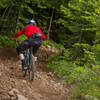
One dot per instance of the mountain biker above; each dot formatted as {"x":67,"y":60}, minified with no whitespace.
{"x":35,"y":37}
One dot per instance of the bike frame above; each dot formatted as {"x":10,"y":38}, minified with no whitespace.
{"x":27,"y":53}
{"x":30,"y":63}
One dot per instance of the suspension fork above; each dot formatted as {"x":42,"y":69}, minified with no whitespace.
{"x":27,"y":56}
{"x":28,"y":53}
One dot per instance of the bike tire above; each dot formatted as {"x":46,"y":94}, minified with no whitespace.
{"x":24,"y":73}
{"x":31,"y":68}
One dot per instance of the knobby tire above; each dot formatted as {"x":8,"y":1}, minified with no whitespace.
{"x":31,"y":68}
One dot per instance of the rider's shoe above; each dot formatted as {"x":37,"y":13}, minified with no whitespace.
{"x":24,"y":67}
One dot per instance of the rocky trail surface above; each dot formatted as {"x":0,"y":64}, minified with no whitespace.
{"x":46,"y":86}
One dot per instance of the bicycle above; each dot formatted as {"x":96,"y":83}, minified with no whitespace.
{"x":30,"y":63}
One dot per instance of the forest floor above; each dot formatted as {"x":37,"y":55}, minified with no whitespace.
{"x":45,"y":86}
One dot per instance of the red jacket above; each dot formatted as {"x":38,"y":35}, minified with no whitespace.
{"x":29,"y":30}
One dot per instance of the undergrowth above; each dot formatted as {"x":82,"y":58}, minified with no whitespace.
{"x":52,"y":44}
{"x":6,"y":41}
{"x":80,"y":67}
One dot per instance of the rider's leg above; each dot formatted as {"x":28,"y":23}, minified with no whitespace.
{"x":22,"y":58}
{"x":35,"y":49}
{"x":24,"y":45}
{"x":35,"y":58}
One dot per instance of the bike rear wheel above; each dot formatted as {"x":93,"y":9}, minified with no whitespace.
{"x":31,"y":68}
{"x":24,"y":73}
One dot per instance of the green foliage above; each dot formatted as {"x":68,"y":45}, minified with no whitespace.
{"x":89,"y":83}
{"x":83,"y":72}
{"x":6,"y":42}
{"x":53,"y":44}
{"x":78,"y":21}
{"x":4,"y":3}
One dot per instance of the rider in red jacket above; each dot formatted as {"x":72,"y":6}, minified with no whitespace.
{"x":29,"y":30}
{"x":35,"y":37}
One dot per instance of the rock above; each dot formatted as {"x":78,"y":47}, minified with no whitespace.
{"x":13,"y":98}
{"x":15,"y":95}
{"x":50,"y":74}
{"x":24,"y":81}
{"x":15,"y":91}
{"x":37,"y":96}
{"x":11,"y":93}
{"x":21,"y":97}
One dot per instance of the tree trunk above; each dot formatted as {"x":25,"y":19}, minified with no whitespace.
{"x":48,"y":36}
{"x":17,"y":20}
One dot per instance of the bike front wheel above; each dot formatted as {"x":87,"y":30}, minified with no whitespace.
{"x":31,"y":68}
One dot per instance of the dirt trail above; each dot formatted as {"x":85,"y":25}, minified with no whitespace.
{"x":13,"y":86}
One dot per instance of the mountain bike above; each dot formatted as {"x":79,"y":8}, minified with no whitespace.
{"x":30,"y":63}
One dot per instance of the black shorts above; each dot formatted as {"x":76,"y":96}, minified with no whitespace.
{"x":32,"y":41}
